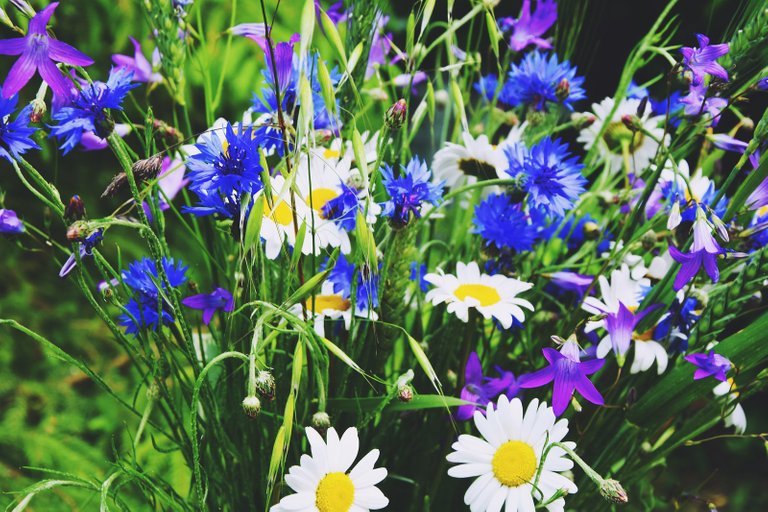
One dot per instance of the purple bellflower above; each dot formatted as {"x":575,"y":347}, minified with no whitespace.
{"x":703,"y":252}
{"x":569,"y":374}
{"x":572,"y":281}
{"x":253,"y":31}
{"x":728,"y":143}
{"x":16,"y":135}
{"x":759,"y":197}
{"x":408,"y":191}
{"x":39,"y":52}
{"x":702,"y":60}
{"x":620,"y":326}
{"x":480,"y":390}
{"x":381,"y":44}
{"x":10,"y":223}
{"x":528,"y":28}
{"x":85,"y":249}
{"x":708,"y":365}
{"x":335,"y":13}
{"x":210,"y":302}
{"x":143,"y":70}
{"x":697,"y":103}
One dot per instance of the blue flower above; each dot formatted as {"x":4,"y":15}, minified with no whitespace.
{"x":88,"y":111}
{"x":364,"y":283}
{"x":417,"y":274}
{"x":528,"y":28}
{"x":408,"y":191}
{"x":16,"y":135}
{"x":677,"y":323}
{"x":504,"y":224}
{"x":10,"y":223}
{"x":148,"y":308}
{"x":703,"y":60}
{"x":85,"y":249}
{"x":548,"y":173}
{"x":343,"y":208}
{"x":538,"y":80}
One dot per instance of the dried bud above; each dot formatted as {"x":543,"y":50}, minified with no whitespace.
{"x":642,"y":106}
{"x":612,"y":491}
{"x":395,"y":116}
{"x":148,"y":168}
{"x":170,"y":134}
{"x":251,"y":406}
{"x":265,"y":385}
{"x":75,"y":209}
{"x":77,"y":231}
{"x":405,"y":394}
{"x":321,"y":421}
{"x":38,"y":110}
{"x":563,"y":90}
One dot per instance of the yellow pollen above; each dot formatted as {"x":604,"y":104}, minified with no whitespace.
{"x":486,"y":295}
{"x":335,"y":493}
{"x":324,"y":302}
{"x":514,"y":463}
{"x":320,"y":196}
{"x":633,"y":309}
{"x":645,"y":336}
{"x":331,"y":153}
{"x":281,"y":213}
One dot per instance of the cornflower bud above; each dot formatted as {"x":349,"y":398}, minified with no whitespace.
{"x":631,"y":122}
{"x":395,"y":116}
{"x":265,"y":385}
{"x":75,"y":209}
{"x":321,"y":422}
{"x":251,"y":406}
{"x":612,"y":491}
{"x":405,"y":393}
{"x":563,"y":89}
{"x":38,"y":110}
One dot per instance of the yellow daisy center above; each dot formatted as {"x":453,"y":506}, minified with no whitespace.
{"x":324,"y":302}
{"x":331,"y":153}
{"x":335,"y":493}
{"x":486,"y":295}
{"x":645,"y":336}
{"x":617,"y":133}
{"x":514,"y":463}
{"x":320,"y":196}
{"x":280,"y":213}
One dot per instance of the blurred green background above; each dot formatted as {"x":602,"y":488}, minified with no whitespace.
{"x":52,"y":416}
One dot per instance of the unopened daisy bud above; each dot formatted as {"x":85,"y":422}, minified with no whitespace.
{"x":631,"y":122}
{"x":321,"y":421}
{"x":442,"y":97}
{"x":75,"y":209}
{"x":582,"y":121}
{"x":675,"y":218}
{"x":405,"y":394}
{"x":251,"y":406}
{"x":395,"y":116}
{"x":591,"y":230}
{"x":612,"y":491}
{"x":38,"y":110}
{"x":265,"y":385}
{"x":720,"y":228}
{"x":563,"y":89}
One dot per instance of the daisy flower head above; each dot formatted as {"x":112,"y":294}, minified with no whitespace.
{"x":538,"y":81}
{"x":327,"y":481}
{"x":640,"y":148}
{"x":407,"y":191}
{"x":475,"y":159}
{"x":492,"y":296}
{"x":277,"y":225}
{"x":508,"y":462}
{"x":548,"y":173}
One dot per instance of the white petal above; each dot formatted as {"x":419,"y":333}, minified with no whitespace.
{"x":371,"y":497}
{"x":468,"y":470}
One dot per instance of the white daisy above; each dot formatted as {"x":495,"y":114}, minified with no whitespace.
{"x":505,"y":461}
{"x":324,"y":482}
{"x":621,"y":288}
{"x":641,"y":148}
{"x":736,"y":417}
{"x":330,"y":305}
{"x":460,"y":164}
{"x":493,"y":296}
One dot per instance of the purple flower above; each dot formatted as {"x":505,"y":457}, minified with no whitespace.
{"x":528,"y":29}
{"x":253,"y":31}
{"x":408,"y":191}
{"x":16,"y":135}
{"x":10,"y":223}
{"x":572,"y":281}
{"x":380,"y":46}
{"x":209,"y":303}
{"x":89,"y":141}
{"x":172,"y":181}
{"x":762,"y":84}
{"x":620,"y":326}
{"x":143,"y":70}
{"x":728,"y":143}
{"x":85,"y":249}
{"x":702,"y":60}
{"x":710,"y":364}
{"x":283,"y":52}
{"x":759,"y":197}
{"x":704,"y":251}
{"x":568,"y":374}
{"x":697,"y":103}
{"x":38,"y":52}
{"x":481,"y":390}
{"x":335,"y":13}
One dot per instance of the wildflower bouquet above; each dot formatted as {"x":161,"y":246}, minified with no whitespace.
{"x":419,"y":270}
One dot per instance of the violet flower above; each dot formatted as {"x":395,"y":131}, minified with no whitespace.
{"x":572,"y":281}
{"x":528,"y":29}
{"x":704,"y":251}
{"x":474,"y":390}
{"x":702,"y":60}
{"x":89,"y":141}
{"x":39,"y":52}
{"x":710,"y":364}
{"x":697,"y":103}
{"x":759,"y":197}
{"x":620,"y":326}
{"x":569,"y":374}
{"x":143,"y":70}
{"x":335,"y":13}
{"x":381,"y":44}
{"x":210,"y":302}
{"x":10,"y":223}
{"x":728,"y":143}
{"x":253,"y":31}
{"x":86,"y":249}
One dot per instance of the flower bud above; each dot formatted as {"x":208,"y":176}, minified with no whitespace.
{"x":321,"y":422}
{"x":4,"y":19}
{"x":251,"y":406}
{"x":265,"y":385}
{"x":631,"y":122}
{"x":563,"y":90}
{"x":104,"y":126}
{"x":38,"y":110}
{"x":591,"y":230}
{"x":649,"y":240}
{"x":405,"y":393}
{"x":642,"y":106}
{"x":75,"y":209}
{"x":582,"y":121}
{"x":395,"y":116}
{"x":612,"y":491}
{"x":24,"y":7}
{"x":674,"y":215}
{"x":720,"y":228}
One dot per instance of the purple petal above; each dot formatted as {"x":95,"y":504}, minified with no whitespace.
{"x":20,"y":73}
{"x":710,"y":265}
{"x":700,"y":374}
{"x":55,"y":79}
{"x":200,"y":301}
{"x":39,"y":22}
{"x":538,"y":378}
{"x":590,"y":367}
{"x":208,"y":315}
{"x":62,"y":52}
{"x":473,"y":372}
{"x":14,"y":46}
{"x":589,"y":391}
{"x":562,"y":392}
{"x":69,"y":266}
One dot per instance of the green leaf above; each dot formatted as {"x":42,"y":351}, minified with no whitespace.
{"x":417,"y":402}
{"x":326,"y":87}
{"x":307,"y":28}
{"x":253,"y":224}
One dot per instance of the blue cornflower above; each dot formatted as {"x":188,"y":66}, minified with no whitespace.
{"x":408,"y":191}
{"x":88,"y":111}
{"x":678,"y":322}
{"x":343,"y":208}
{"x":363,"y":282}
{"x":504,"y":224}
{"x":417,"y":274}
{"x":538,"y":80}
{"x":548,"y":173}
{"x":147,"y":306}
{"x":16,"y":135}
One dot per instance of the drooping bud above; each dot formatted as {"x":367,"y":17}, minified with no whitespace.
{"x":563,"y":89}
{"x":251,"y":406}
{"x":720,"y":227}
{"x":612,"y":491}
{"x":265,"y":385}
{"x":39,"y":109}
{"x":395,"y":116}
{"x":675,"y":218}
{"x":405,"y":393}
{"x":75,"y":209}
{"x":170,"y":134}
